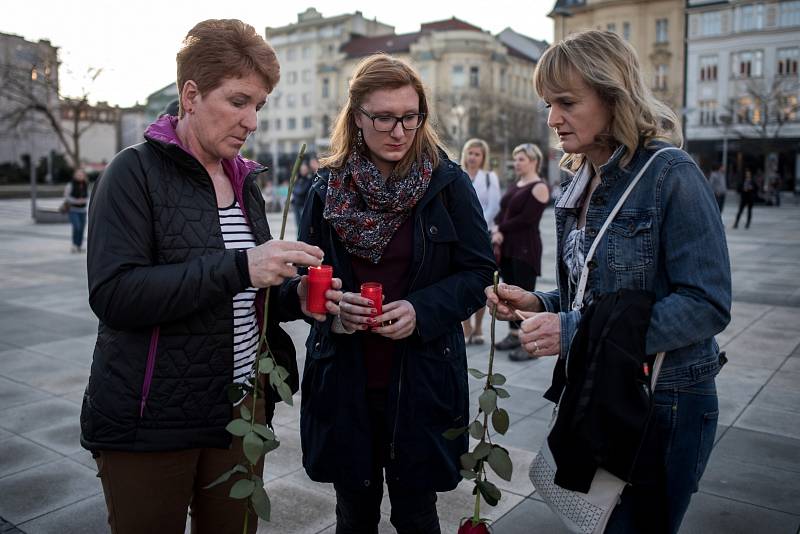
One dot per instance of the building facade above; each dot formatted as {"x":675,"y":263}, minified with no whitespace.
{"x":28,"y":80}
{"x":742,"y":88}
{"x":655,"y":29}
{"x":308,"y":51}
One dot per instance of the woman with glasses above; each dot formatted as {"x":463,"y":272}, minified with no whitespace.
{"x":517,"y":234}
{"x":379,"y":389}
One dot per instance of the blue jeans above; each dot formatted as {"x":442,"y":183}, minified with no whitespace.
{"x":78,"y":220}
{"x":671,"y":462}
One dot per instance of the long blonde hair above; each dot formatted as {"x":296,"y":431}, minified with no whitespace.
{"x":609,"y":65}
{"x":479,"y":143}
{"x":381,"y":71}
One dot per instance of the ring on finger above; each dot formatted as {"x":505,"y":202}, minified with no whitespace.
{"x":535,"y":346}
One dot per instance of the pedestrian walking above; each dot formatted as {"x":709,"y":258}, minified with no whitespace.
{"x":747,"y":197}
{"x":76,"y":201}
{"x":475,"y":162}
{"x":388,"y":376}
{"x":179,"y":253}
{"x":718,"y":184}
{"x":517,"y":234}
{"x":300,"y":191}
{"x":665,"y":245}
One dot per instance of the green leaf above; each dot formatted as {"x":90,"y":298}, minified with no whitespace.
{"x":469,"y":475}
{"x":252,"y":445}
{"x":476,"y":430}
{"x":500,"y":462}
{"x":266,"y":365}
{"x":497,"y":379}
{"x":270,"y":445}
{"x":488,"y":401}
{"x":468,"y":461}
{"x":242,"y":489}
{"x":260,"y":502}
{"x":238,"y":427}
{"x":282,"y":373}
{"x":476,"y":373}
{"x":502,"y":393}
{"x":453,"y":433}
{"x":500,"y":420}
{"x":489,"y":492}
{"x":244,"y":412}
{"x":263,"y":431}
{"x":226,"y":475}
{"x":482,"y":450}
{"x":285,"y":392}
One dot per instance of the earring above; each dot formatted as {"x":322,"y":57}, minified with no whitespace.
{"x":359,"y":139}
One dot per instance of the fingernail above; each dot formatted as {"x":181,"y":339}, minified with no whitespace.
{"x":370,"y":320}
{"x":370,"y":303}
{"x":373,"y":311}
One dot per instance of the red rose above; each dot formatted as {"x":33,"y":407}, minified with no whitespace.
{"x":468,"y":528}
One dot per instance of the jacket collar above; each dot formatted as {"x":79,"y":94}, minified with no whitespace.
{"x":575,"y":188}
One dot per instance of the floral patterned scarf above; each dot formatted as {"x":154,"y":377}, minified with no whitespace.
{"x":366,"y":210}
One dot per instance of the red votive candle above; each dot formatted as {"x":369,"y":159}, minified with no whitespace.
{"x":374,"y":292}
{"x":319,"y":281}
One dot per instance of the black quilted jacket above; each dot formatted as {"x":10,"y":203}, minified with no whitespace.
{"x":161,"y":282}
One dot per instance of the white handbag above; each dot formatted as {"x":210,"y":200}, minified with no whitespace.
{"x":586,"y":513}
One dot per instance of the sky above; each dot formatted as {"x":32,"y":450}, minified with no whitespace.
{"x":135,"y":41}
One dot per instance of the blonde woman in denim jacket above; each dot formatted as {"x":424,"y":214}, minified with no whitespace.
{"x":668,"y":239}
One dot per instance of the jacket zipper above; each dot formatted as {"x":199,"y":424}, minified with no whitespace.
{"x":392,"y":454}
{"x":148,"y":372}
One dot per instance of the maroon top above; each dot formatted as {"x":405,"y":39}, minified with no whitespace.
{"x":518,"y":221}
{"x":393,"y":272}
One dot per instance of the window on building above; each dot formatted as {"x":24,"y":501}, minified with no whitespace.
{"x":264,"y":125}
{"x":789,"y":108}
{"x":662,"y":33}
{"x":291,"y":54}
{"x":277,"y":124}
{"x":326,"y":126}
{"x":276,"y":100}
{"x":708,"y":112}
{"x":306,"y":52}
{"x":747,"y":112}
{"x":660,"y":78}
{"x":612,"y":27}
{"x":457,"y":77}
{"x":326,"y":89}
{"x":291,"y":77}
{"x":789,"y":13}
{"x":291,"y":123}
{"x":291,"y":101}
{"x":787,"y":61}
{"x":747,"y":64}
{"x":306,"y":75}
{"x":711,"y":23}
{"x":748,"y":17}
{"x":307,"y":123}
{"x":306,"y":99}
{"x":626,"y":31}
{"x":708,"y":68}
{"x":503,"y":80}
{"x":474,"y":80}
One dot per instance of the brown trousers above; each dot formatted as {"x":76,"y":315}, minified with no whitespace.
{"x":150,"y":492}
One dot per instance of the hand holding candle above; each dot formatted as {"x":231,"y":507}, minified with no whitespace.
{"x":319,"y":281}
{"x":374,"y":292}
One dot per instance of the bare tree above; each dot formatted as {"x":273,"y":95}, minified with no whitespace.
{"x":31,"y":99}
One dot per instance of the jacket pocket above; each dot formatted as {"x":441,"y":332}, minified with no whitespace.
{"x":630,"y":241}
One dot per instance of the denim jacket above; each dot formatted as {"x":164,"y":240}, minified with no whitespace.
{"x":668,"y":238}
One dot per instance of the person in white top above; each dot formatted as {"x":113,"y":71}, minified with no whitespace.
{"x":475,"y":162}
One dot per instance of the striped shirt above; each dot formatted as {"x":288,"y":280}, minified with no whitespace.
{"x":237,"y":235}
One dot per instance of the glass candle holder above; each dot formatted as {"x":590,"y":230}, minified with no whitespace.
{"x":319,"y":281}
{"x":374,"y":292}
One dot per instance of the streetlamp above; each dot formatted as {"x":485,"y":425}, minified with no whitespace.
{"x":459,"y":112}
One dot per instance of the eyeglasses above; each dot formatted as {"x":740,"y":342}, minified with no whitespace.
{"x":387,"y":123}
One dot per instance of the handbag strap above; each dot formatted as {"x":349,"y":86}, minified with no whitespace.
{"x":577,"y":303}
{"x":656,"y":370}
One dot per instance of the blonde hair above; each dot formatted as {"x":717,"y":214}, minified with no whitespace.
{"x":375,"y":72}
{"x":609,"y":65}
{"x":472,"y":143}
{"x":530,"y":150}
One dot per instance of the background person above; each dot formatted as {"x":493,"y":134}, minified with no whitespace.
{"x":378,"y":392}
{"x":517,"y":234}
{"x":668,"y":239}
{"x":180,"y":250}
{"x":718,"y":184}
{"x":76,"y":198}
{"x":300,"y":191}
{"x":747,"y":197}
{"x":475,"y":162}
